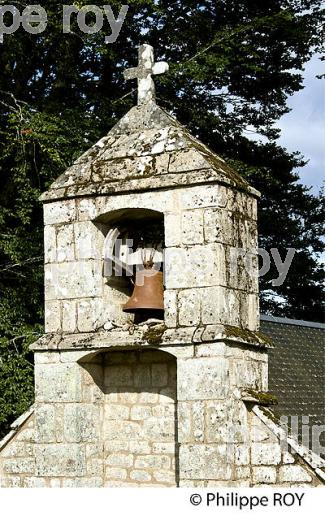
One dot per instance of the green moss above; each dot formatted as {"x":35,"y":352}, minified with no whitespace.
{"x":246,"y":335}
{"x":264,"y":398}
{"x":154,"y":334}
{"x":272,"y":415}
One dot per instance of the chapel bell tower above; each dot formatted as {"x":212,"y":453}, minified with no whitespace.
{"x":151,"y":294}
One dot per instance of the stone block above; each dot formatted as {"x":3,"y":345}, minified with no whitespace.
{"x":17,"y":448}
{"x":60,"y":460}
{"x":65,"y":243}
{"x":81,"y":423}
{"x":198,"y":420}
{"x":59,"y":212}
{"x":219,"y":226}
{"x":152,"y":461}
{"x":12,"y":482}
{"x":116,"y":411}
{"x":139,"y":447}
{"x":163,"y":410}
{"x":95,"y":467}
{"x":52,"y":316}
{"x":187,"y":160}
{"x":294,"y":474}
{"x":89,"y":241}
{"x":86,"y":209}
{"x":212,"y":350}
{"x":19,"y":465}
{"x":173,"y":230}
{"x":251,"y":303}
{"x":116,"y":473}
{"x":139,"y":413}
{"x":204,"y":197}
{"x":196,"y":266}
{"x":88,"y":482}
{"x":226,"y":421}
{"x":192,"y":227}
{"x":140,"y":476}
{"x":69,"y":316}
{"x":246,"y":374}
{"x":266,"y":454}
{"x":45,"y":424}
{"x":49,"y":244}
{"x":203,"y":378}
{"x":264,"y":475}
{"x":90,"y":314}
{"x":167,"y":448}
{"x":242,"y":269}
{"x":287,"y":458}
{"x":34,"y":482}
{"x":189,"y":307}
{"x":58,"y":383}
{"x":73,"y":280}
{"x":158,"y":429}
{"x":120,"y":460}
{"x":184,"y":410}
{"x":117,"y":430}
{"x":165,"y":477}
{"x":170,"y":299}
{"x":205,"y":462}
{"x":220,"y":305}
{"x":242,"y":454}
{"x":148,"y":397}
{"x":242,"y":472}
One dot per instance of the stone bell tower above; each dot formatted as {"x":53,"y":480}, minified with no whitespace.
{"x":129,"y":400}
{"x":151,"y":403}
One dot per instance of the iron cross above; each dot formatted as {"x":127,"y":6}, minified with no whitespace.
{"x":144,"y":72}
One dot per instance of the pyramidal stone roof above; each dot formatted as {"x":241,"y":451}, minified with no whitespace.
{"x":147,"y":149}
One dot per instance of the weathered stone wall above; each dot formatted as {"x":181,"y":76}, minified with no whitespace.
{"x":68,"y":421}
{"x":105,"y":421}
{"x":256,"y":459}
{"x":210,"y":259}
{"x":212,"y":418}
{"x":17,"y":461}
{"x":146,"y":418}
{"x":140,"y":428}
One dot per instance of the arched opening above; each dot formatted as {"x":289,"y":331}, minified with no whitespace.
{"x":134,"y":243}
{"x":139,"y":416}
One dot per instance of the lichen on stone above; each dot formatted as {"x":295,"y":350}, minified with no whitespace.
{"x":153,"y":335}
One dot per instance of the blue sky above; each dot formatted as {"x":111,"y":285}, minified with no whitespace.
{"x":303,"y":129}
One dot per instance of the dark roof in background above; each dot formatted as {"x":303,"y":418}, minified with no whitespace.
{"x":297,"y":370}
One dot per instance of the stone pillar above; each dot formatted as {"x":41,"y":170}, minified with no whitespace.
{"x":214,"y":430}
{"x":68,"y":421}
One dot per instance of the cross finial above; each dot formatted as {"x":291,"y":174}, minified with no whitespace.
{"x":144,"y":72}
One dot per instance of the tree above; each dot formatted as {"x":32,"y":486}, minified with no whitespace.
{"x":233,"y":66}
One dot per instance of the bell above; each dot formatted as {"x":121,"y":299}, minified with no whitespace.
{"x":148,"y":292}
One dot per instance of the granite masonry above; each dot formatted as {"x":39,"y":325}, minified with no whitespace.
{"x":181,"y":401}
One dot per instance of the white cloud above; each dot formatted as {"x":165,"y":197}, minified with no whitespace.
{"x":303,"y":129}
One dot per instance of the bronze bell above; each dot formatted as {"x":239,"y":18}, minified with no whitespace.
{"x":148,"y":293}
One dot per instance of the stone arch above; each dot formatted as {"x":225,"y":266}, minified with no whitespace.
{"x":127,"y":234}
{"x":138,"y":394}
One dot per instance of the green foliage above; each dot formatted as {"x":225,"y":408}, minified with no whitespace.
{"x":233,"y":65}
{"x":16,"y":376}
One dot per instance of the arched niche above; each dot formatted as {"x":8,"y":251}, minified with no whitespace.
{"x":130,"y":237}
{"x":138,"y":390}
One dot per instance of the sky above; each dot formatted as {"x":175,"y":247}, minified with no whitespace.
{"x":303,"y":129}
